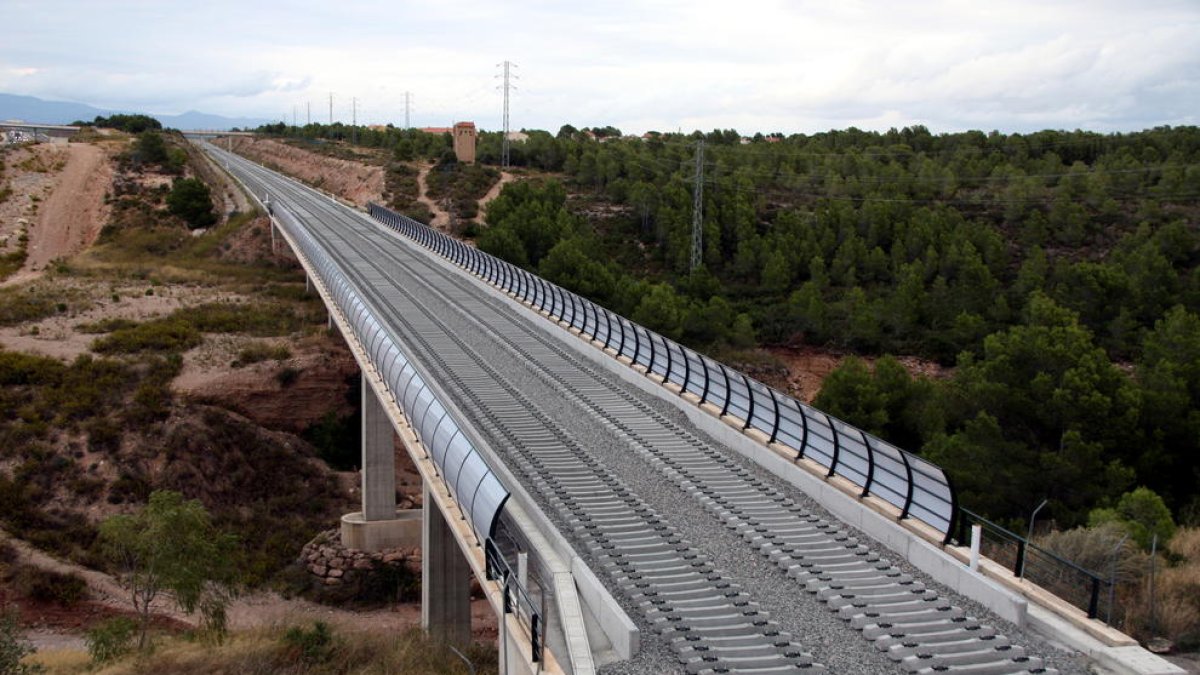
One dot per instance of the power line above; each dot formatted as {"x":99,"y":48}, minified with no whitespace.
{"x":698,"y":209}
{"x":504,"y":146}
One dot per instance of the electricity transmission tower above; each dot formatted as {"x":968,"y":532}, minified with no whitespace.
{"x":407,"y":108}
{"x":331,"y":108}
{"x":504,"y":144}
{"x":353,"y":120}
{"x":698,"y":210}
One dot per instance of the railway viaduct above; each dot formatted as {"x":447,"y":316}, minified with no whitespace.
{"x":631,"y":506}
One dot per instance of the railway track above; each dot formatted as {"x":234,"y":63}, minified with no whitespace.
{"x":711,"y":623}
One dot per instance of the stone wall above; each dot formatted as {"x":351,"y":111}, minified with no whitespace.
{"x":332,"y":565}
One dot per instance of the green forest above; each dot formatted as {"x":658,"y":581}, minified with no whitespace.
{"x":1056,"y":272}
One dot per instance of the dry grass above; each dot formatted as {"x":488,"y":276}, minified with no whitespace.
{"x":1093,"y":548}
{"x":1186,"y":543}
{"x":1175,"y":610}
{"x":271,"y":651}
{"x":61,"y":661}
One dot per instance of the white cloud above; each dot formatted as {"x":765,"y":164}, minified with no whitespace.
{"x":755,"y":65}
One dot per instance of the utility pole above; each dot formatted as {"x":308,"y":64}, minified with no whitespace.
{"x":504,"y":145}
{"x":331,"y":108}
{"x":698,"y":210}
{"x":407,"y":107}
{"x":293,"y":115}
{"x":308,"y":115}
{"x":353,"y":120}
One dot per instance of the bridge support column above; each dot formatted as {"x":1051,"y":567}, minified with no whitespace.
{"x":378,"y":459}
{"x":445,"y":580}
{"x":379,"y":525}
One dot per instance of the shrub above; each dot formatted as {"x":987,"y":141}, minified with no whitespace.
{"x":191,"y":200}
{"x":150,"y":147}
{"x":310,"y":646}
{"x":1092,"y":548}
{"x":12,"y":647}
{"x":257,"y":353}
{"x":337,"y":440}
{"x":104,"y":435}
{"x":111,"y":639}
{"x":8,"y":553}
{"x":66,"y":534}
{"x":287,"y":377}
{"x":107,"y":325}
{"x":388,"y":583}
{"x":259,"y":319}
{"x":1142,"y":513}
{"x":17,"y":368}
{"x":129,"y":488}
{"x":44,"y":585}
{"x":129,"y":123}
{"x":160,"y":335}
{"x":19,"y":305}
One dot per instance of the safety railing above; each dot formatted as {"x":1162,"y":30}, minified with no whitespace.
{"x":1081,"y":587}
{"x":916,"y":487}
{"x":516,"y":599}
{"x":477,"y":490}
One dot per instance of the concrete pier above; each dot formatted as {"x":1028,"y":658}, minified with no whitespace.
{"x":378,"y":459}
{"x":378,"y":525}
{"x":445,"y":580}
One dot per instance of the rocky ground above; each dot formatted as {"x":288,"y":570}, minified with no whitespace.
{"x":803,"y":370}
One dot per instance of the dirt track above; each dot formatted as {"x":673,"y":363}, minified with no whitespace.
{"x":71,"y":217}
{"x":505,"y":179}
{"x":440,"y":218}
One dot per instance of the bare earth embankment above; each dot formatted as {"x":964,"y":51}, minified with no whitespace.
{"x":354,"y":181}
{"x":70,"y":202}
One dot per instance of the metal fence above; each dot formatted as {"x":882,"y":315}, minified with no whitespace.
{"x":1081,"y":587}
{"x":919,"y":489}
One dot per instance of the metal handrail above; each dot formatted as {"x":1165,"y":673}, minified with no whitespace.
{"x":915,"y":487}
{"x":515,"y":596}
{"x":1024,"y":546}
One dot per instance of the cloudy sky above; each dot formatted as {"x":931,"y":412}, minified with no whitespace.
{"x":753,"y":65}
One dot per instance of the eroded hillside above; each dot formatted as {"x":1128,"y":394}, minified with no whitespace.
{"x":139,"y":352}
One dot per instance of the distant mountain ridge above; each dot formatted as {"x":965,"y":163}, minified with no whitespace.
{"x":38,"y":111}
